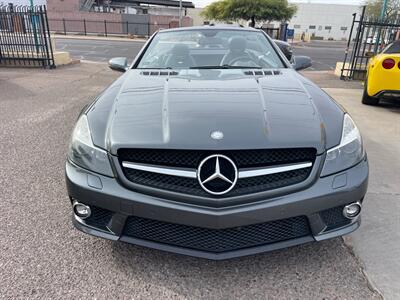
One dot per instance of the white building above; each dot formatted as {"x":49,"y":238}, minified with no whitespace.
{"x":325,"y":21}
{"x":22,"y":2}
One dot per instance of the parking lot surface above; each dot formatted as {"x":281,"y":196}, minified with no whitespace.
{"x":43,"y":256}
{"x":324,"y":54}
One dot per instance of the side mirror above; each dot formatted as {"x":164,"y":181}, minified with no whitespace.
{"x":369,"y":54}
{"x":289,"y":55}
{"x":301,"y":62}
{"x":118,"y":64}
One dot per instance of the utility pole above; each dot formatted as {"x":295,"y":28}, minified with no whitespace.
{"x":180,"y":13}
{"x":381,"y":19}
{"x":33,"y":20}
{"x":383,"y":11}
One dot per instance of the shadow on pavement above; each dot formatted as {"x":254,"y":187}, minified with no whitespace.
{"x":391,"y":103}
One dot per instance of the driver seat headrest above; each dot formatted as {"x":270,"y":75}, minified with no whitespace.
{"x":237,"y":44}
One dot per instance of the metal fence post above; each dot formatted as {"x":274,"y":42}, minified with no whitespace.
{"x":65,"y":28}
{"x":346,"y":53}
{"x":52,"y":62}
{"x":84,"y":25}
{"x":105,"y":27}
{"x":127,"y":28}
{"x":356,"y":50}
{"x":148,"y":28}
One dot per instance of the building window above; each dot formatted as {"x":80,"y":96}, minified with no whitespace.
{"x":343,"y":28}
{"x":312,"y":27}
{"x":328,"y":27}
{"x":297,"y":26}
{"x":319,"y":27}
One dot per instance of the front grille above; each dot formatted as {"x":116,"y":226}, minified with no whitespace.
{"x":217,"y":240}
{"x":334,"y":218}
{"x":192,"y":158}
{"x":242,"y":158}
{"x":99,"y":218}
{"x":191,"y":186}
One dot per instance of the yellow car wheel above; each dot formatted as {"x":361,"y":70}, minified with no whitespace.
{"x":367,"y":99}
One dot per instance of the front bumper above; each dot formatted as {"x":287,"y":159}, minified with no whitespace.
{"x":326,"y":195}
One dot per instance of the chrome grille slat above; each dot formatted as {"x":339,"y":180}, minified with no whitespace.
{"x":191,"y":173}
{"x":176,"y":170}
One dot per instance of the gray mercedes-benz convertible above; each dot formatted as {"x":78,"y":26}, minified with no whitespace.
{"x":212,"y":145}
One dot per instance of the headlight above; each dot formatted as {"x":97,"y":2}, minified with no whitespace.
{"x":83,"y":153}
{"x":349,"y":152}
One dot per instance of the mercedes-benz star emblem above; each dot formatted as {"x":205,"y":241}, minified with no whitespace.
{"x":217,"y":135}
{"x":217,"y":174}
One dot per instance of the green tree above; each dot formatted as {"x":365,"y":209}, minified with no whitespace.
{"x":260,"y":10}
{"x":374,"y":8}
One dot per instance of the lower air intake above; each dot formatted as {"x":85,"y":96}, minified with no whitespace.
{"x":217,"y":240}
{"x":334,"y":218}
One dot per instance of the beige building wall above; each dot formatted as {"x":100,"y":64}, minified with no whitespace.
{"x":194,"y":13}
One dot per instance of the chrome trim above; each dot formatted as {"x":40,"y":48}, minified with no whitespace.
{"x":81,"y":220}
{"x":273,"y":170}
{"x":217,"y":174}
{"x":351,"y":204}
{"x":190,"y":173}
{"x":161,"y":170}
{"x":87,"y":207}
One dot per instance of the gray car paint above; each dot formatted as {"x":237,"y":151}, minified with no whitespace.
{"x":180,"y":111}
{"x":103,"y":114}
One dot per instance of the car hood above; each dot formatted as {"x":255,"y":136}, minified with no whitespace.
{"x":181,"y":110}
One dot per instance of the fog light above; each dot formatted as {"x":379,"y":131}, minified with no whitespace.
{"x":352,"y":210}
{"x":81,"y":210}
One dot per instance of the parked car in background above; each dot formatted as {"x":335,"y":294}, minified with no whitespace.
{"x":286,"y":48}
{"x":373,"y":40}
{"x":383,"y":74}
{"x":212,"y":145}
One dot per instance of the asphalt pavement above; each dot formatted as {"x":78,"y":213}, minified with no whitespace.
{"x":324,"y":54}
{"x":43,"y":256}
{"x":99,"y":50}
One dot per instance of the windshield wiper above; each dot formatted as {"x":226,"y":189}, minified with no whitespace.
{"x":155,"y":68}
{"x":224,"y":67}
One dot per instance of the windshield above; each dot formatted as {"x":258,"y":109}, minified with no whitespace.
{"x":393,"y":48}
{"x":210,"y":49}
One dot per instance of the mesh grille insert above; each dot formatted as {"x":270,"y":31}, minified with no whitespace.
{"x":99,"y":218}
{"x":192,"y":158}
{"x":191,"y":185}
{"x":217,"y":240}
{"x":334,"y":218}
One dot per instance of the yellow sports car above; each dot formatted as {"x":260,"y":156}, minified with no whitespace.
{"x":383,"y":74}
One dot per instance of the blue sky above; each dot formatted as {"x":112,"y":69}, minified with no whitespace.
{"x":202,"y":3}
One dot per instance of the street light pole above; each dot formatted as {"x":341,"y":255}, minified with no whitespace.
{"x":383,"y":11}
{"x":381,"y":19}
{"x":180,"y":13}
{"x":33,"y":20}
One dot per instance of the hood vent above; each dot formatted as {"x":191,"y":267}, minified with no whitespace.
{"x":262,"y":72}
{"x":159,"y":73}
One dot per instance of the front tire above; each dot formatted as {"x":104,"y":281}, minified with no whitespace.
{"x":366,"y":99}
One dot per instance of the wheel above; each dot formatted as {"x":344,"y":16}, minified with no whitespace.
{"x":366,"y":99}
